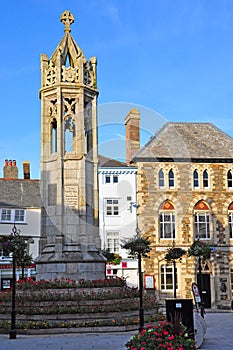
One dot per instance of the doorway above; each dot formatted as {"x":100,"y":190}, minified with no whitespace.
{"x":204,"y":285}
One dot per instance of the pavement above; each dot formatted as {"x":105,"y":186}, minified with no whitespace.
{"x":219,"y":336}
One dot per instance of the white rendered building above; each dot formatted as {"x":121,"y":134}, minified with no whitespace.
{"x":118,"y":214}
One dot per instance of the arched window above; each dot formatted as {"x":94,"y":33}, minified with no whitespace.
{"x":229,"y":179}
{"x":195,"y":179}
{"x":167,"y":221}
{"x":54,"y":136}
{"x":201,"y":221}
{"x":205,"y":179}
{"x":161,"y":179}
{"x":230,"y":219}
{"x":69,"y":134}
{"x":171,"y":179}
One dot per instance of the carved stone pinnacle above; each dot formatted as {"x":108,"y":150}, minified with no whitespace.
{"x":67,"y":19}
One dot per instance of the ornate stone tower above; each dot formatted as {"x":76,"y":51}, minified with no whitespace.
{"x":70,"y":240}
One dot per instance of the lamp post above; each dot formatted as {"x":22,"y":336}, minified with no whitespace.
{"x":13,"y":312}
{"x":141,"y":310}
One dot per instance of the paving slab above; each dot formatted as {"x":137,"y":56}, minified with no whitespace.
{"x":219,"y":336}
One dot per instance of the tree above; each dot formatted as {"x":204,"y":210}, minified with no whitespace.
{"x":202,"y":251}
{"x":138,"y":247}
{"x":173,"y":254}
{"x":15,"y":244}
{"x":112,"y":258}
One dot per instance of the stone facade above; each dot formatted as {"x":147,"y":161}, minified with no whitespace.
{"x":70,"y":241}
{"x":185,"y":185}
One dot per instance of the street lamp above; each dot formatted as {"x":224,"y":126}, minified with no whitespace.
{"x":13,"y":312}
{"x":141,"y":310}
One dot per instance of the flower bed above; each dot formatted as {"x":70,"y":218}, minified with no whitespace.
{"x":75,"y":307}
{"x":169,"y":336}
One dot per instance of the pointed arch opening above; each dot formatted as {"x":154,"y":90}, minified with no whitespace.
{"x":229,"y":179}
{"x":69,"y":134}
{"x":171,"y":179}
{"x":195,"y":179}
{"x":53,"y":131}
{"x":161,"y":179}
{"x":205,"y":179}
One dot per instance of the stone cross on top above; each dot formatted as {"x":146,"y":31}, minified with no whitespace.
{"x":67,"y":19}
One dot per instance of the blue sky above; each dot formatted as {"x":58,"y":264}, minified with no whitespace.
{"x":172,"y":59}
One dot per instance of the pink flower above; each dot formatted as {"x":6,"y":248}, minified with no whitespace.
{"x":165,"y":332}
{"x":171,"y":337}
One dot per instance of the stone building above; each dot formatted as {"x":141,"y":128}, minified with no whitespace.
{"x":70,"y":242}
{"x":185,"y":192}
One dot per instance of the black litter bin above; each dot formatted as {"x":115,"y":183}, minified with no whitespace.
{"x":181,"y":310}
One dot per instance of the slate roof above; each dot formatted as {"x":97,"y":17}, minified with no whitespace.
{"x":20,"y":193}
{"x":188,"y":142}
{"x":105,"y":162}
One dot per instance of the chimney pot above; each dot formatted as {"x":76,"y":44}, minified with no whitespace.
{"x":26,"y":169}
{"x":9,"y":171}
{"x":132,"y":123}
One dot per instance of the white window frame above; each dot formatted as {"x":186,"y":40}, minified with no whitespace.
{"x":113,"y":241}
{"x":205,"y":179}
{"x":171,"y":178}
{"x":112,"y":206}
{"x":161,"y":178}
{"x":198,"y":223}
{"x":107,"y":177}
{"x":229,"y":180}
{"x":166,"y":272}
{"x":13,"y":215}
{"x":196,"y":180}
{"x":230,"y":221}
{"x":163,"y":223}
{"x":115,"y":179}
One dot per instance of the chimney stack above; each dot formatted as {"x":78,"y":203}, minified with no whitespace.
{"x":26,"y":169}
{"x":132,"y":123}
{"x":10,"y":170}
